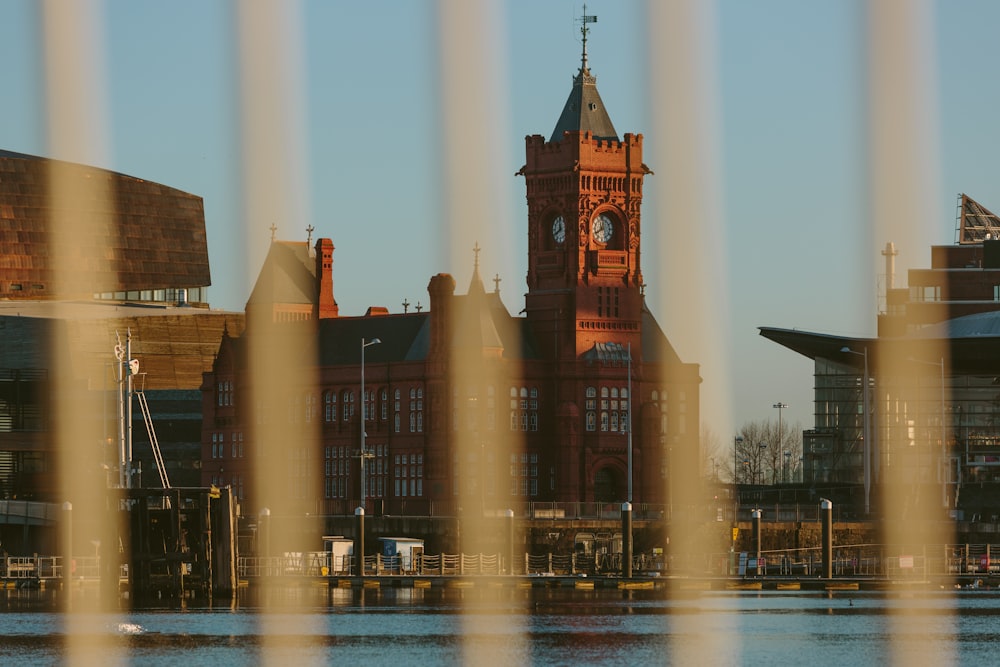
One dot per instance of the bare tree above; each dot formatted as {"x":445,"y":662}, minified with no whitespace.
{"x":766,"y":456}
{"x":713,"y":457}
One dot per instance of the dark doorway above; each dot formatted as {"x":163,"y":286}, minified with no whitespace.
{"x":608,"y":486}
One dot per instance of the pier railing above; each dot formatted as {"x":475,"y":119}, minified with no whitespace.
{"x":858,"y":560}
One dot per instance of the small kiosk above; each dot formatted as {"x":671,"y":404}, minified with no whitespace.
{"x":402,"y":553}
{"x":340,"y":550}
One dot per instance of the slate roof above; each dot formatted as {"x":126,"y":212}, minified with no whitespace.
{"x":584,"y":110}
{"x":288,"y":275}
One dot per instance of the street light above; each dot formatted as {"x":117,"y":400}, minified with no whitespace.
{"x":866,"y":445}
{"x":363,"y":454}
{"x":781,"y":436}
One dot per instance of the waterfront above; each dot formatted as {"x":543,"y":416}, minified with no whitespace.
{"x":310,"y":625}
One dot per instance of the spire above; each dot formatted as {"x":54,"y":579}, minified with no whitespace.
{"x":584,"y":20}
{"x":476,"y":284}
{"x":584,"y":111}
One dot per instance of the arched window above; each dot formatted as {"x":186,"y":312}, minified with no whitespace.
{"x":590,"y":408}
{"x":310,"y":408}
{"x":330,"y":406}
{"x":395,"y":410}
{"x":416,"y":409}
{"x":524,"y":408}
{"x":348,"y":404}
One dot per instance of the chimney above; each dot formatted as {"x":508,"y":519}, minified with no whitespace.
{"x":326,"y":305}
{"x":441,"y":290}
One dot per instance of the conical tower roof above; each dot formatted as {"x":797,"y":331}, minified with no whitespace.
{"x":584,"y":111}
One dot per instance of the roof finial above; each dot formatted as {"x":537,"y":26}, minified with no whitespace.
{"x":475,"y":250}
{"x":584,"y":20}
{"x":496,"y":283}
{"x":309,"y":230}
{"x":406,"y":305}
{"x":274,"y":228}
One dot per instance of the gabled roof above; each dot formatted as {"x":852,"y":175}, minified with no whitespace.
{"x":287,"y":276}
{"x":584,"y":111}
{"x":656,"y":347}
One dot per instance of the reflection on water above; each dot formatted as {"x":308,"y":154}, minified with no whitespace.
{"x":314,"y":625}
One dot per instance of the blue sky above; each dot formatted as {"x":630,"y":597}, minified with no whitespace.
{"x":792,"y":90}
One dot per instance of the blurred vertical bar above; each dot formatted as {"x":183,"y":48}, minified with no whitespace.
{"x":691,"y":294}
{"x":282,"y":356}
{"x":903,"y":161}
{"x":75,"y":120}
{"x":478,"y":384}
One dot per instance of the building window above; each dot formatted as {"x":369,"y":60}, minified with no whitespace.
{"x":330,"y":406}
{"x":524,"y":474}
{"x":383,"y":402}
{"x":523,"y":408}
{"x":236,"y":451}
{"x":310,"y":408}
{"x":224,"y":392}
{"x":416,"y":409}
{"x":336,"y":468}
{"x":408,"y":475}
{"x":348,"y":404}
{"x":591,"y":408}
{"x":395,"y":410}
{"x":369,"y":406}
{"x":614,"y":409}
{"x":607,"y":302}
{"x":377,"y":471}
{"x":925,"y":293}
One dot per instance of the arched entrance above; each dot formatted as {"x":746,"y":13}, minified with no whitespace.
{"x":608,"y":486}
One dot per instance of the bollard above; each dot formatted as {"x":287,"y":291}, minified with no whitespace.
{"x":755,"y":537}
{"x":627,"y":540}
{"x":826,"y":517}
{"x":359,"y":542}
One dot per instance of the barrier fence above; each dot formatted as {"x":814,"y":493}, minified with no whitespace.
{"x":858,"y":560}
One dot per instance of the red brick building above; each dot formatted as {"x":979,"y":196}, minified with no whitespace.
{"x":586,"y":363}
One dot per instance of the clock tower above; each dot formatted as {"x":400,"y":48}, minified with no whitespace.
{"x":584,"y":191}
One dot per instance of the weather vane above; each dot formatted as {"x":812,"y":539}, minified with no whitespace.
{"x":584,"y":20}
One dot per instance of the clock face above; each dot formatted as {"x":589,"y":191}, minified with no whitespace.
{"x":559,"y":229}
{"x":603,"y":228}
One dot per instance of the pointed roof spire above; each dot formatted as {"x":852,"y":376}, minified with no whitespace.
{"x":584,"y":111}
{"x":476,"y":284}
{"x":584,"y":20}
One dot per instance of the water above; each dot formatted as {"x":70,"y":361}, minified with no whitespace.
{"x":315,"y":626}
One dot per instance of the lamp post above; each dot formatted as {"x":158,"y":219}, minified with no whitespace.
{"x":363,"y":454}
{"x":629,"y":427}
{"x":737,"y":441}
{"x":865,"y":434}
{"x":781,"y":436}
